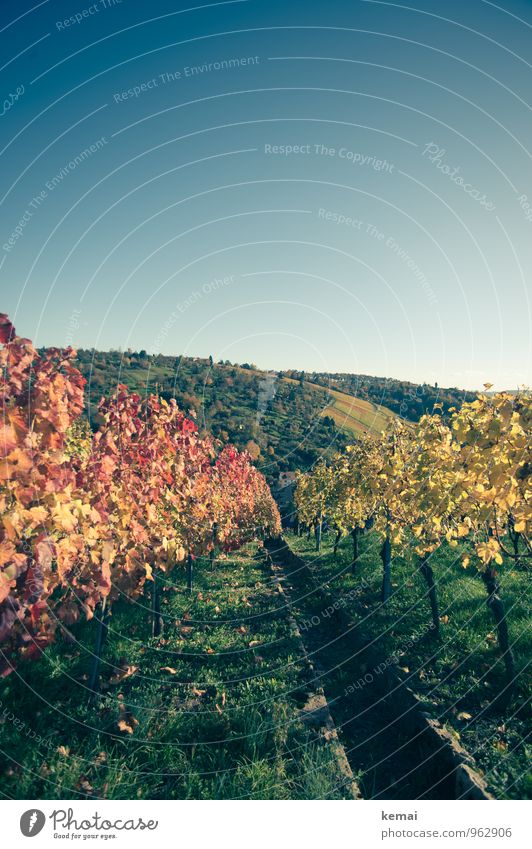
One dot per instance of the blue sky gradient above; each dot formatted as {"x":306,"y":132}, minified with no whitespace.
{"x":340,"y":186}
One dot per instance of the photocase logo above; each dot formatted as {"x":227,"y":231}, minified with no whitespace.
{"x":32,"y":822}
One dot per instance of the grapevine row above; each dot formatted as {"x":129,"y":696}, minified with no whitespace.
{"x":87,"y":518}
{"x":464,"y":478}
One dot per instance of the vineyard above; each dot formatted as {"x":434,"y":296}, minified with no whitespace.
{"x":445,"y":502}
{"x":87,"y":519}
{"x":212,"y":710}
{"x":161,"y":639}
{"x":371,"y":652}
{"x":420,"y":486}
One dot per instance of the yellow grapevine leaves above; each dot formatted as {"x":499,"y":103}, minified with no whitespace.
{"x":468,"y":477}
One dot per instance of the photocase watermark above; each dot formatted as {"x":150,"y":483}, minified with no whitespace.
{"x":11,"y":99}
{"x":436,"y":155}
{"x":354,"y":157}
{"x":73,"y":326}
{"x":65,"y":824}
{"x":7,"y":715}
{"x":32,"y":822}
{"x":180,"y":308}
{"x":389,"y":242}
{"x":339,"y":604}
{"x":267,"y":389}
{"x":65,"y":819}
{"x":340,"y":218}
{"x":186,"y":72}
{"x":87,"y":12}
{"x":40,"y":198}
{"x":526,"y":206}
{"x":392,"y":659}
{"x":58,"y":178}
{"x":414,"y":395}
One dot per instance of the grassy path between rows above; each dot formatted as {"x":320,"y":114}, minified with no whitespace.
{"x":214,"y":708}
{"x":211,"y":710}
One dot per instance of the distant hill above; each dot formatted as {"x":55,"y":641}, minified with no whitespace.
{"x":286,"y":420}
{"x":281,"y":423}
{"x":405,"y":399}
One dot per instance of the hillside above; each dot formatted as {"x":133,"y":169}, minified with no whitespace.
{"x":281,"y":423}
{"x":408,"y":400}
{"x":286,"y":420}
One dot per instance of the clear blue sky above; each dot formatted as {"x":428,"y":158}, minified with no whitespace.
{"x":332,"y":186}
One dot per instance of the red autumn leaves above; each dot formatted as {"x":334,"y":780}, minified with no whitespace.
{"x":89,"y":516}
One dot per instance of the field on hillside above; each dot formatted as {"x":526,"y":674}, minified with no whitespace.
{"x":351,"y":414}
{"x":405,"y":399}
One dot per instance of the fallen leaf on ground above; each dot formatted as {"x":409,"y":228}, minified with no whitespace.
{"x":126,"y":672}
{"x":128,"y":723}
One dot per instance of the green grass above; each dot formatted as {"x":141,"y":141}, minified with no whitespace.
{"x":222,"y":721}
{"x":458,"y":674}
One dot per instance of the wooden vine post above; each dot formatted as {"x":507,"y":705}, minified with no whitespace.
{"x":428,"y":574}
{"x":101,"y":633}
{"x":190,"y":562}
{"x":386,"y":555}
{"x":157,"y":620}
